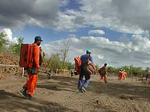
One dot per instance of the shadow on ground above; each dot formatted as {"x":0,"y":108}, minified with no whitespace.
{"x":11,"y":102}
{"x":118,"y":88}
{"x":63,"y":83}
{"x":112,"y":89}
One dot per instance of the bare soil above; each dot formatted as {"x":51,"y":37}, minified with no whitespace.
{"x":60,"y":94}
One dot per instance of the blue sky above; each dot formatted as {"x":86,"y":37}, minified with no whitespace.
{"x":112,"y":29}
{"x":29,"y":32}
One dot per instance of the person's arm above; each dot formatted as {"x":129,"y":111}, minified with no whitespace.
{"x":36,"y":57}
{"x":91,"y":59}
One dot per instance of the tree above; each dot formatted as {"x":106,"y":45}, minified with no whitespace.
{"x":68,"y":66}
{"x":3,"y":42}
{"x":15,"y":49}
{"x":111,"y":69}
{"x":54,"y":62}
{"x":64,"y":49}
{"x":147,"y":69}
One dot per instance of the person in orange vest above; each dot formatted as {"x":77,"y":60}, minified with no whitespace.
{"x":30,"y":86}
{"x":124,"y":74}
{"x":103,"y":71}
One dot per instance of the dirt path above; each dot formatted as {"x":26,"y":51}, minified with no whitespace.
{"x":60,"y":94}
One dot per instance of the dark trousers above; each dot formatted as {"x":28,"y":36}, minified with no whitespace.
{"x":87,"y":79}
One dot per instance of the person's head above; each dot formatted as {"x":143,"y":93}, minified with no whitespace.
{"x":88,"y":51}
{"x":105,"y":64}
{"x":38,"y":40}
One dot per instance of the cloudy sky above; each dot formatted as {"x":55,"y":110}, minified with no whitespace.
{"x":116,"y":31}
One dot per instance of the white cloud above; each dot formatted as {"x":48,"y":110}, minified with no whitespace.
{"x":118,"y":15}
{"x":18,"y":13}
{"x":101,"y":32}
{"x":69,"y":20}
{"x":63,"y":2}
{"x":124,"y":16}
{"x":135,"y":52}
{"x":64,"y":22}
{"x":8,"y":33}
{"x":141,"y":43}
{"x":124,"y":38}
{"x":100,"y":57}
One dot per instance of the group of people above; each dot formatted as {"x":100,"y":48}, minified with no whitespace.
{"x":30,"y":86}
{"x":102,"y":71}
{"x":122,"y":75}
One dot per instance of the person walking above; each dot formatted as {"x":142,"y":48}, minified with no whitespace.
{"x":103,"y":71}
{"x":147,"y":76}
{"x":84,"y":59}
{"x":123,"y":76}
{"x":32,"y":70}
{"x":119,"y":75}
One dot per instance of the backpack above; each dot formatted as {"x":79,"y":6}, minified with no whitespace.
{"x":77,"y":65}
{"x":26,"y":55}
{"x":102,"y":71}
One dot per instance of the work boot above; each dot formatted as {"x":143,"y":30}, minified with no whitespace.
{"x":80,"y":90}
{"x":23,"y":91}
{"x":28,"y":97}
{"x":83,"y":89}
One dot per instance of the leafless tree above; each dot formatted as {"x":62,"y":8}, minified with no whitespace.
{"x":64,"y":49}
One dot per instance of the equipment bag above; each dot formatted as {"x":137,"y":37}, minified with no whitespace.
{"x":26,"y":55}
{"x":77,"y":65}
{"x":89,"y":67}
{"x":42,"y":54}
{"x":102,"y":71}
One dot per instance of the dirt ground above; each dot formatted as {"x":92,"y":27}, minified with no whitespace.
{"x":60,"y":94}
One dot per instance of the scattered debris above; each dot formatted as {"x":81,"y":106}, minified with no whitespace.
{"x":127,"y":97}
{"x":99,"y":102}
